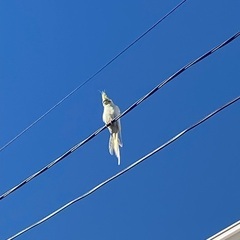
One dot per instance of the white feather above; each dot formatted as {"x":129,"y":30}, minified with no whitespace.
{"x":109,"y":113}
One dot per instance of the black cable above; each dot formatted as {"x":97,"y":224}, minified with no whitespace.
{"x":121,"y":115}
{"x":90,"y":78}
{"x":125,"y":170}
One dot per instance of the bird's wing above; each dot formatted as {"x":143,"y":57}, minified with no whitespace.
{"x":117,"y":112}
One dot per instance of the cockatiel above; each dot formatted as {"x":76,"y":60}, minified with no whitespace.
{"x":109,"y":113}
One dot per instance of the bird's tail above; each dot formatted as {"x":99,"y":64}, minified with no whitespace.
{"x":114,"y":143}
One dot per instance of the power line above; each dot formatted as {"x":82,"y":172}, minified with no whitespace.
{"x":91,"y":77}
{"x":126,"y":169}
{"x":74,"y":148}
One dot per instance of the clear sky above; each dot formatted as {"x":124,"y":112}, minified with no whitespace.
{"x":190,"y":190}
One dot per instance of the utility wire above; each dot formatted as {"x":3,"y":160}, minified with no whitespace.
{"x":63,"y":156}
{"x":125,"y":170}
{"x":91,"y":77}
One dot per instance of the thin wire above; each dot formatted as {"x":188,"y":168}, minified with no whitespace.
{"x":119,"y":116}
{"x":126,"y":169}
{"x":91,"y":77}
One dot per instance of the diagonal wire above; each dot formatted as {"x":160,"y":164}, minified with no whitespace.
{"x":91,"y":77}
{"x":125,"y":170}
{"x":138,"y":102}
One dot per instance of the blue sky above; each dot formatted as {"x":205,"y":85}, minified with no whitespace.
{"x":188,"y":190}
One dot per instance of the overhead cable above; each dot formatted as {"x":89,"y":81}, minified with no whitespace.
{"x":91,"y":77}
{"x":125,"y":170}
{"x":138,"y":102}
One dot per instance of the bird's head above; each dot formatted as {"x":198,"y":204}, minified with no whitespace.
{"x":105,"y":99}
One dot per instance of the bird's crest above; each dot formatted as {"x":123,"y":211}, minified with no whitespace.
{"x":104,"y":96}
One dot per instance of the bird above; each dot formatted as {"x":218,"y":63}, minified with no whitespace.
{"x":110,"y":111}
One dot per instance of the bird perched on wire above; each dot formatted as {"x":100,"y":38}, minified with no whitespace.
{"x":109,"y":113}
